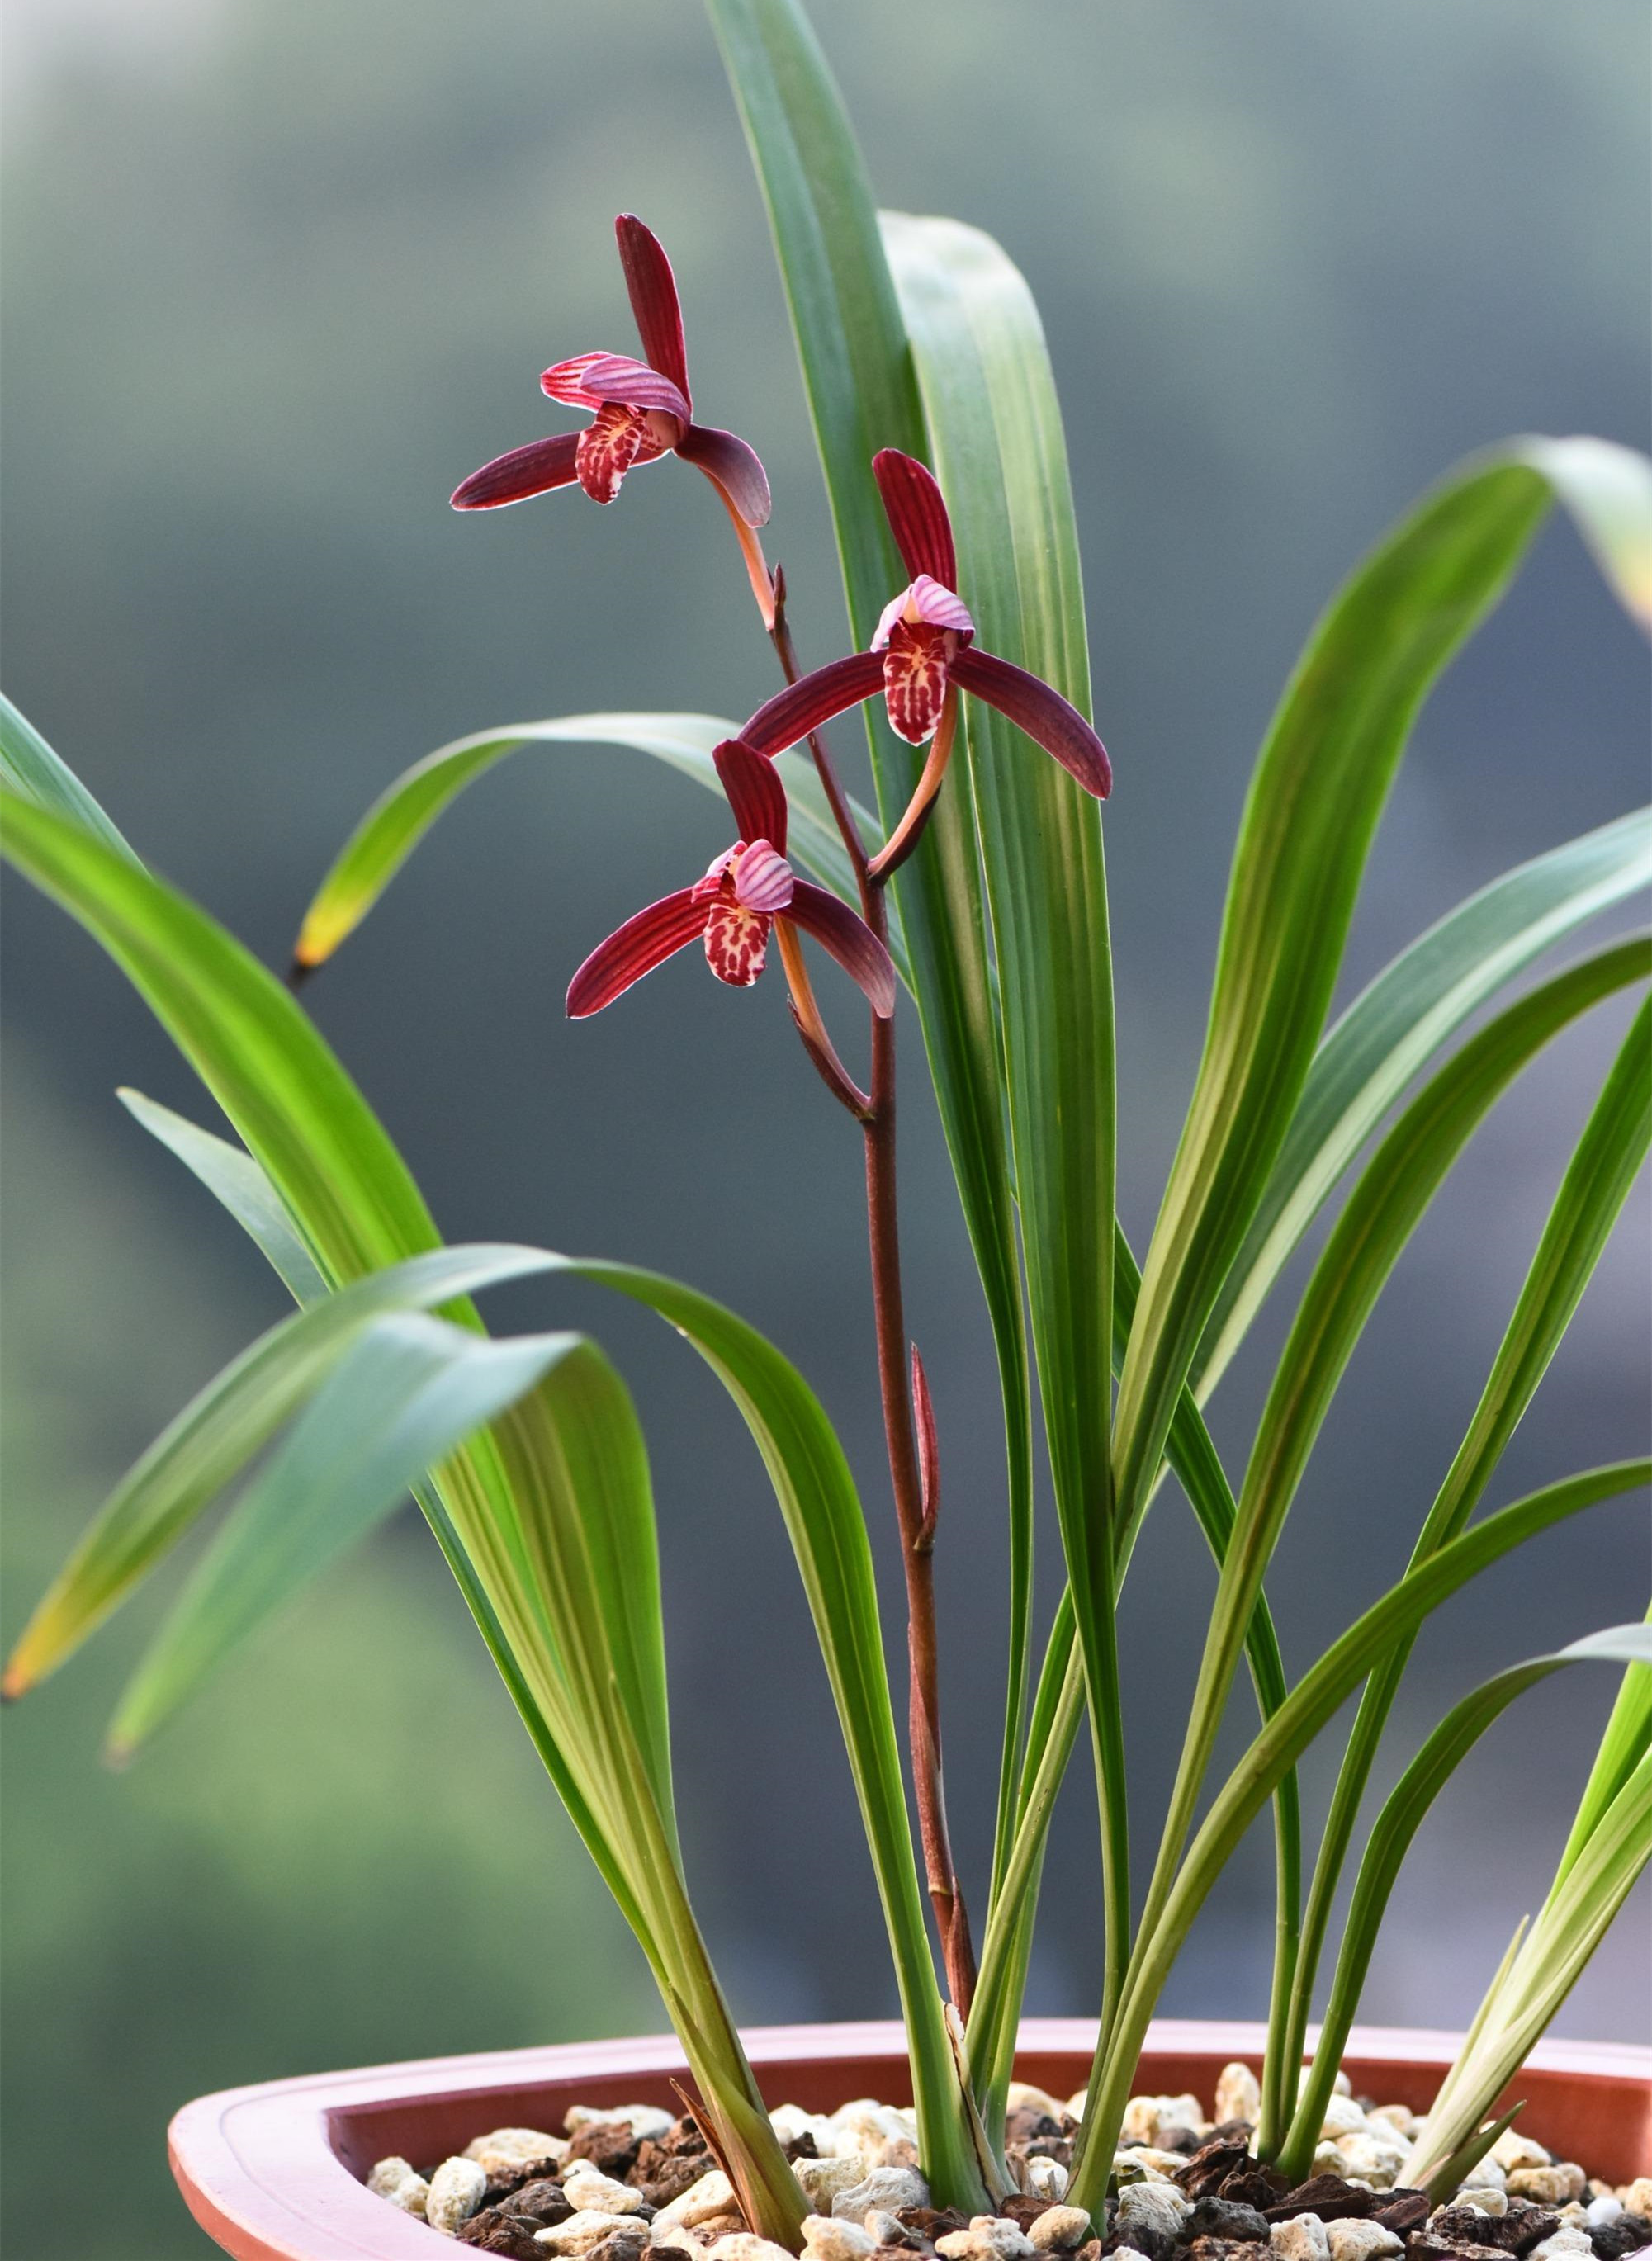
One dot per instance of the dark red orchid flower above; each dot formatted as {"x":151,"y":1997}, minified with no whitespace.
{"x":747,"y":891}
{"x":924,"y":652}
{"x":642,"y":410}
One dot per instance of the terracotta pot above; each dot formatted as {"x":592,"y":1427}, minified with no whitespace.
{"x":276,"y":2172}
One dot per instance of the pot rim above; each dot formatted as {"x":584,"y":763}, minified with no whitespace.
{"x":266,"y":2169}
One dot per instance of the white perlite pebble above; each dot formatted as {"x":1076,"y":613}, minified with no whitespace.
{"x":589,"y":2190}
{"x":702,"y":2202}
{"x":869,"y":2125}
{"x":1075,"y":2103}
{"x":1564,"y":2241}
{"x":742,"y":2246}
{"x":790,"y":2120}
{"x":1513,"y":2150}
{"x":825,"y":2238}
{"x":579,"y":2233}
{"x":1045,"y":2179}
{"x":1153,"y":2205}
{"x":1342,"y":2116}
{"x":884,"y":2228}
{"x":821,"y":2181}
{"x":1548,"y":2185}
{"x":522,"y":2143}
{"x":1161,"y":2166}
{"x":455,"y":2194}
{"x":642,"y":2119}
{"x":1399,"y":2117}
{"x":1486,"y":2174}
{"x":1239,"y":2094}
{"x":1361,"y":2241}
{"x":1486,"y":2196}
{"x":1023,"y":2096}
{"x":398,"y":2181}
{"x":1604,"y":2209}
{"x":1302,"y":2238}
{"x":989,"y":2237}
{"x":1637,"y":2196}
{"x":1149,"y":2119}
{"x":888,"y":2188}
{"x":1059,"y":2228}
{"x":1374,"y":2158}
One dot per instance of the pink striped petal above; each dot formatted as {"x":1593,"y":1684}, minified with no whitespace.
{"x":633,"y":385}
{"x":736,"y":944}
{"x":726,"y":459}
{"x":762,"y":877}
{"x":802,"y":707}
{"x":934,"y":602}
{"x":755,"y":793}
{"x":849,"y":939}
{"x":634,"y":949}
{"x":651,"y":288}
{"x":565,"y":381}
{"x":530,"y":470}
{"x":1042,"y":713}
{"x":917,"y":517}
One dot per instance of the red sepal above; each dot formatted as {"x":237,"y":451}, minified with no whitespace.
{"x":755,"y":793}
{"x":530,"y":470}
{"x":735,"y":468}
{"x":635,"y":949}
{"x":849,"y":939}
{"x":802,"y":707}
{"x":1041,"y":712}
{"x":916,"y":512}
{"x":651,"y":288}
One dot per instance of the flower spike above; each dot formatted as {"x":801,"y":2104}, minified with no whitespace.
{"x":640,"y":411}
{"x":923,"y":653}
{"x":734,"y":908}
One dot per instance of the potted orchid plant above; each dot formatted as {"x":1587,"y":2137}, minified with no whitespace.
{"x":967,"y":904}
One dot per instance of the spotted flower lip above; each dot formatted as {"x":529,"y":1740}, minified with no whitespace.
{"x":924,"y":651}
{"x":641,"y":410}
{"x":734,"y":906}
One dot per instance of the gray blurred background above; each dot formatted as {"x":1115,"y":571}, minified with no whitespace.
{"x":278,"y":275}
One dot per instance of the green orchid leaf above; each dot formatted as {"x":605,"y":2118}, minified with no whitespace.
{"x":1381,"y":1214}
{"x":1390,"y":1841}
{"x":400,"y":1399}
{"x":999,"y":451}
{"x":858,"y":376}
{"x":1396,"y":1025}
{"x":231,"y":1174}
{"x":1309,"y":1708}
{"x":1318,"y":791}
{"x":1598,"y":1179}
{"x":30,"y":769}
{"x":405,"y":810}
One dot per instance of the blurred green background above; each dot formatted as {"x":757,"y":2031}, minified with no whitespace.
{"x":276,"y":276}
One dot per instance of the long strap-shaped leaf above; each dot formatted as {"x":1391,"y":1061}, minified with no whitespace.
{"x":347,"y":1190}
{"x":1396,"y":1024}
{"x":1379,"y":1220}
{"x":1596,"y":1181}
{"x":1314,"y":803}
{"x":1309,"y":1707}
{"x":857,"y":375}
{"x":408,"y":806}
{"x":1392,"y":1834}
{"x":29,"y":768}
{"x":999,"y":450}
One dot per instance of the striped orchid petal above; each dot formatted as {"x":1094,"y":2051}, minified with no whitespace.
{"x":802,"y":707}
{"x":928,"y":601}
{"x":1042,"y":713}
{"x":755,"y":793}
{"x":616,"y":378}
{"x":847,"y":937}
{"x":734,"y":466}
{"x":656,"y":307}
{"x":635,"y":949}
{"x":916,"y":513}
{"x":530,"y":470}
{"x":762,"y":877}
{"x":566,"y":380}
